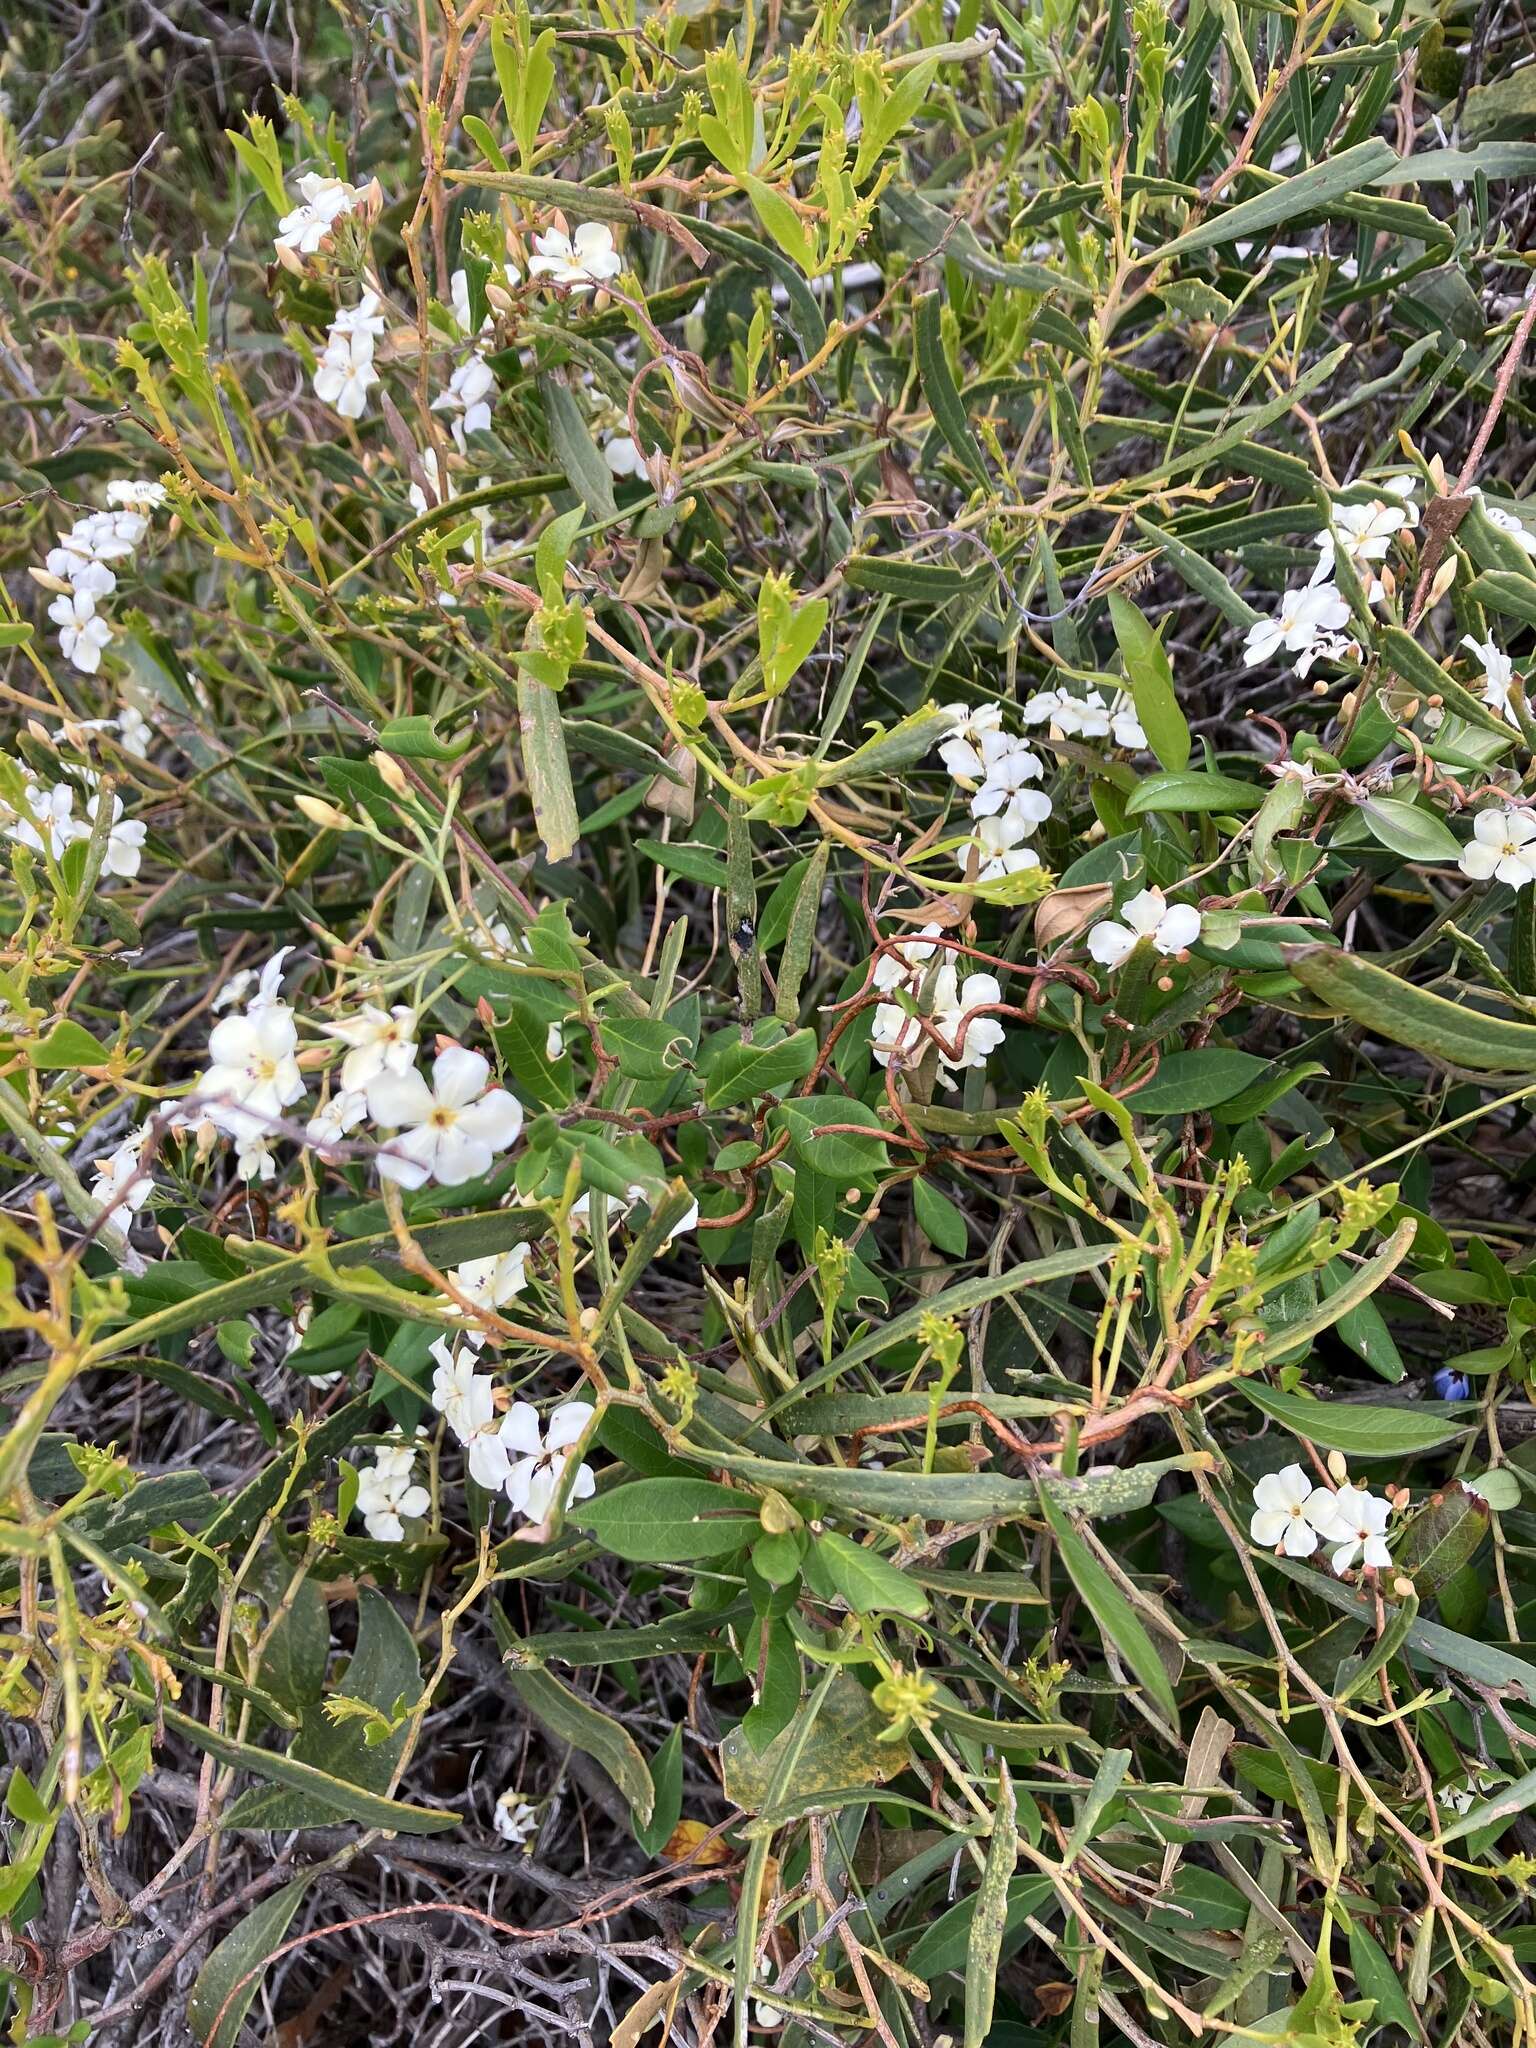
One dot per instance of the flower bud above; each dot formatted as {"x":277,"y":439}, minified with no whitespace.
{"x":390,"y":771}
{"x":319,"y":812}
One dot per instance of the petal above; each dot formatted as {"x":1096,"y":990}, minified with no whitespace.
{"x":1110,"y":943}
{"x":566,"y":1424}
{"x":1179,"y":928}
{"x":519,"y":1483}
{"x":1268,"y":1526}
{"x":520,"y":1429}
{"x":458,"y":1157}
{"x":399,"y":1098}
{"x":496,"y":1120}
{"x":541,"y":1491}
{"x":459,"y":1076}
{"x":1300,"y":1538}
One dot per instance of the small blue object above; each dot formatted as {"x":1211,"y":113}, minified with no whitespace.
{"x":1451,"y":1386}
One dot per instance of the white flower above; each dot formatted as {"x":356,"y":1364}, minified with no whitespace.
{"x":492,"y":1281}
{"x":1498,"y":674}
{"x":324,"y":201}
{"x":903,"y":962}
{"x":623,"y":456}
{"x":379,"y":1041}
{"x":345,"y":374}
{"x":107,"y":536}
{"x":1506,"y":522}
{"x":897,"y":1036}
{"x":85,"y":575}
{"x":953,"y":1001}
{"x":1354,"y":1522}
{"x":452,"y":1130}
{"x":253,"y":1156}
{"x":468,"y":399}
{"x":252,"y":1066}
{"x":1326,"y":647}
{"x":514,"y":1819}
{"x":1009,"y":766}
{"x":970,"y":727}
{"x":466,"y":1400}
{"x":1288,"y":1511}
{"x":48,"y":825}
{"x":1149,"y":915}
{"x":136,"y":495}
{"x":1503,"y":847}
{"x":385,"y":1494}
{"x":997,"y":843}
{"x":336,"y":1118}
{"x":1364,"y":533}
{"x":125,"y":839}
{"x":122,"y":1187}
{"x":554,"y":1042}
{"x":1303,"y":616}
{"x":580,"y":261}
{"x":82,"y":632}
{"x":134,"y":732}
{"x":535,"y":1479}
{"x":1125,"y":726}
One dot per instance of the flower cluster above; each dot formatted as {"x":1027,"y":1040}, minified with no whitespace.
{"x":508,"y":1452}
{"x":915,"y":986}
{"x":1292,"y":1515}
{"x":388,"y":1495}
{"x":81,"y":571}
{"x":1310,"y":622}
{"x":45,"y":821}
{"x":323,"y":202}
{"x":345,"y":372}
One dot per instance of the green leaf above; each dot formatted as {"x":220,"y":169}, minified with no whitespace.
{"x":1151,"y":679}
{"x":830,"y":1747}
{"x":867,"y":1582}
{"x":1409,"y":829}
{"x":1192,"y":789}
{"x":1506,"y":592}
{"x":1360,"y":1431}
{"x":571,"y":443}
{"x":1118,"y":1622}
{"x":215,"y":2007}
{"x":666,"y":1768}
{"x":1394,"y":1009}
{"x":416,"y":738}
{"x":669,"y":1521}
{"x":989,"y":1922}
{"x":570,"y":1718}
{"x":846,"y":1156}
{"x":547,"y":768}
{"x":782,"y":222}
{"x":384,"y":1670}
{"x":939,"y":1220}
{"x":745,"y":1072}
{"x":66,"y":1047}
{"x":1189,"y":1081}
{"x":1310,"y":191}
{"x":325,"y":1799}
{"x":939,"y":389}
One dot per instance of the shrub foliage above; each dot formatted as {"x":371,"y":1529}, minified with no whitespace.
{"x":767,"y":1002}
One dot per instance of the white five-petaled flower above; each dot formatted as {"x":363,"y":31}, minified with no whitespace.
{"x":1506,"y":522}
{"x":83,"y":633}
{"x":253,"y":1073}
{"x":1498,"y":674}
{"x":492,"y":1281}
{"x":125,"y":839}
{"x":536,"y":1477}
{"x":1148,"y":915}
{"x":1305,"y":617}
{"x":345,"y":373}
{"x":378,"y":1040}
{"x":450,"y":1131}
{"x":1008,"y":768}
{"x":1087,"y":717}
{"x":903,"y":963}
{"x":1354,"y":1523}
{"x":514,"y":1819}
{"x":323,"y":202}
{"x":136,"y":494}
{"x":122,"y":1186}
{"x":335,"y":1119}
{"x":1502,"y":848}
{"x":466,"y":1400}
{"x":996,"y":845}
{"x":970,"y":727}
{"x":578,"y":261}
{"x":85,"y":573}
{"x":973,"y":1037}
{"x":1289,"y":1511}
{"x":48,"y":824}
{"x":386,"y":1494}
{"x":468,"y":398}
{"x":1364,"y":533}
{"x":897,"y":1037}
